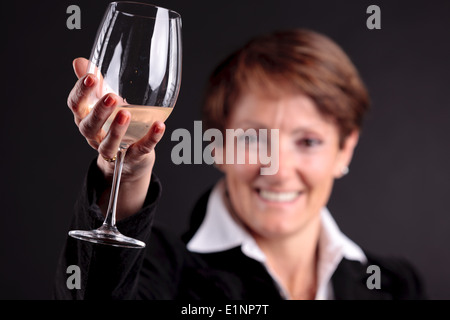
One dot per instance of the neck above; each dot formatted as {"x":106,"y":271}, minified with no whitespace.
{"x":293,"y":260}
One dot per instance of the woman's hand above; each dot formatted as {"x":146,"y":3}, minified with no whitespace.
{"x":140,"y":156}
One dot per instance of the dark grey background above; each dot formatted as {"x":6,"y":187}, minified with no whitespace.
{"x":394,"y":201}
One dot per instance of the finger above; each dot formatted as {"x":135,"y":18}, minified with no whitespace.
{"x":110,"y":144}
{"x":91,"y":126}
{"x":78,"y":100}
{"x":80,"y":66}
{"x":148,"y":143}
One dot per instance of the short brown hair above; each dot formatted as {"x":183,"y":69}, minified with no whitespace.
{"x":297,"y":61}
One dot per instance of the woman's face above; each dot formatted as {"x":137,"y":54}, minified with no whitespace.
{"x":310,"y":159}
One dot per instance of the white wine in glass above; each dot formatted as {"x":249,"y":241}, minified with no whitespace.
{"x":142,"y":118}
{"x":137,"y":56}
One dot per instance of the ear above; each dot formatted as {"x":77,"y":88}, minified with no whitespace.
{"x":346,"y":153}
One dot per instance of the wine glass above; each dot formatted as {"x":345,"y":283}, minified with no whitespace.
{"x":136,"y":56}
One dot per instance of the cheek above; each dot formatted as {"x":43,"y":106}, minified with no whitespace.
{"x":239,"y":180}
{"x":318,"y":175}
{"x":240,"y":175}
{"x":238,"y":168}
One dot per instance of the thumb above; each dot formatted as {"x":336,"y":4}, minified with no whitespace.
{"x":80,"y":66}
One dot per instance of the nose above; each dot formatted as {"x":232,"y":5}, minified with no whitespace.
{"x":282,"y":153}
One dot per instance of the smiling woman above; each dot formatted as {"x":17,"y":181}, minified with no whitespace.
{"x":252,"y":236}
{"x":309,"y":161}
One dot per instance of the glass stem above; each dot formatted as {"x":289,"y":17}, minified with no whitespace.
{"x":110,"y":219}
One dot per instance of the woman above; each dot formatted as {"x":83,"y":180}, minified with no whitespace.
{"x":252,"y":235}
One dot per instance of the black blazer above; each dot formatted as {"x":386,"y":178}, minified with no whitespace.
{"x":167,"y":270}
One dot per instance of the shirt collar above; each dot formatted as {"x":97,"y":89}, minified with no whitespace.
{"x":220,"y":232}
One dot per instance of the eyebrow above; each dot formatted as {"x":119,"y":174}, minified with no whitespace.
{"x":252,"y":124}
{"x":256,"y":125}
{"x":305,"y":130}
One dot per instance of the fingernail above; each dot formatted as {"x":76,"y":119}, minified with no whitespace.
{"x":109,"y":101}
{"x":88,"y":81}
{"x":158,"y":129}
{"x":123,"y":118}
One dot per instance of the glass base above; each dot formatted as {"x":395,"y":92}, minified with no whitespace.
{"x":108,"y":236}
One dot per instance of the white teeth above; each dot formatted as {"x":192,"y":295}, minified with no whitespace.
{"x":278,"y":196}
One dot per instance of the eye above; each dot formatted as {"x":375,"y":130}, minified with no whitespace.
{"x":252,"y":139}
{"x":248,"y":138}
{"x":309,"y":142}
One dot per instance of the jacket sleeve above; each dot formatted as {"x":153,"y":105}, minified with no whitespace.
{"x":105,"y":272}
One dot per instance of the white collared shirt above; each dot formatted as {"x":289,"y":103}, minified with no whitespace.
{"x":220,"y":232}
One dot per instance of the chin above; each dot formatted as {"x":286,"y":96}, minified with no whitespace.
{"x":282,"y":227}
{"x":275,"y":230}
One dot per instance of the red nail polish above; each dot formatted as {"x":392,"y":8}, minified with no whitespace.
{"x":88,"y":81}
{"x":158,"y":129}
{"x":109,"y":101}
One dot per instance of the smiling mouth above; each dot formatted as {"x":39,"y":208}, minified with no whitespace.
{"x":273,"y":196}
